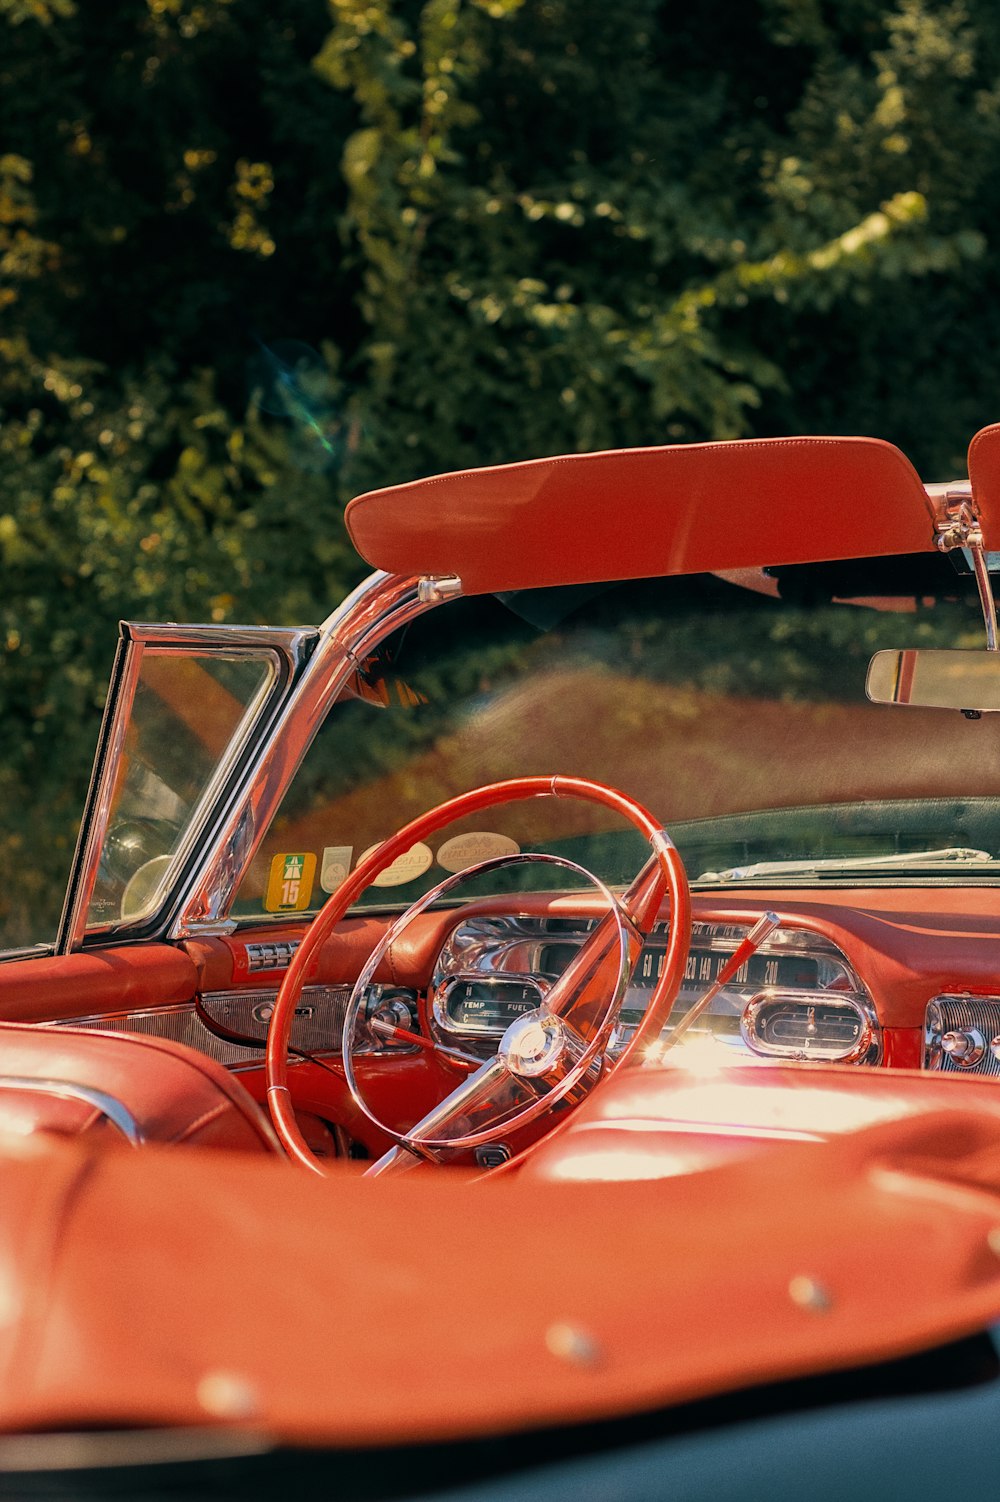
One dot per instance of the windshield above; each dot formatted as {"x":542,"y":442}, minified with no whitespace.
{"x":734,"y":708}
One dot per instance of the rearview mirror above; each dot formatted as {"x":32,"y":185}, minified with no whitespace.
{"x":936,"y":679}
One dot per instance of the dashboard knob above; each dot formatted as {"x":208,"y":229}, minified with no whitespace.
{"x":394,"y":1012}
{"x":964,"y":1046}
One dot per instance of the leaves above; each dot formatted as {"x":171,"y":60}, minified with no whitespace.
{"x":496,"y":229}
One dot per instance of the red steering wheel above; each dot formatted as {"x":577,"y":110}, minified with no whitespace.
{"x":552,"y":1053}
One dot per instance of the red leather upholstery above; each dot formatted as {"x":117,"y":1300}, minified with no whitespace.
{"x":661,"y":1123}
{"x":172,"y":1093}
{"x":165,"y":1289}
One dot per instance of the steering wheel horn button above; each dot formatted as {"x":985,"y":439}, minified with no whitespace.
{"x":537,"y":1045}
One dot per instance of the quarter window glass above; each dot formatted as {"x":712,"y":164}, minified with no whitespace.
{"x":189,"y":715}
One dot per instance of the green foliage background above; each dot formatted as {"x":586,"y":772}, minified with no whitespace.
{"x":505,"y":228}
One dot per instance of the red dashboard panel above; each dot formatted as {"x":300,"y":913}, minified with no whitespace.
{"x":108,"y":980}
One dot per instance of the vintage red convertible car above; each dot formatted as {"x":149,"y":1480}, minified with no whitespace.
{"x":673,"y":1045}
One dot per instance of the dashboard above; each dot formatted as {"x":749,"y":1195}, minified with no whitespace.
{"x":874,"y":976}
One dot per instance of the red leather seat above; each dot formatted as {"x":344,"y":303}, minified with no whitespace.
{"x":73,"y":1080}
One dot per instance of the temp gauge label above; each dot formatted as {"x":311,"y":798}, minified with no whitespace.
{"x":490,"y":1006}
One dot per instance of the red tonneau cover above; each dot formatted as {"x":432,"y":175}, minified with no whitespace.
{"x":176,"y":1288}
{"x":635,"y":513}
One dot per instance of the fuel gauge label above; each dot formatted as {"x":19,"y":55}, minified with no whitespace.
{"x":490,"y":1006}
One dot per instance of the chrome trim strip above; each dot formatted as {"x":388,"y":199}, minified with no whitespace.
{"x":111,"y":1108}
{"x":179,"y":1023}
{"x":381,"y":603}
{"x":97,"y":810}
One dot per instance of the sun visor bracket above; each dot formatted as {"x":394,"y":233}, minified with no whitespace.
{"x":957,"y":526}
{"x":434,"y":589}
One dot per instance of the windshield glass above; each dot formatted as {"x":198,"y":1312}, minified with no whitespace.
{"x":734,"y":708}
{"x":189,"y":714}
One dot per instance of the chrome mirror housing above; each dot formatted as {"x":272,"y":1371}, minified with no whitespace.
{"x":936,"y":679}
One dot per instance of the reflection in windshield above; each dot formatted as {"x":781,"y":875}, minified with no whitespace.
{"x":738,"y":717}
{"x":187,"y":711}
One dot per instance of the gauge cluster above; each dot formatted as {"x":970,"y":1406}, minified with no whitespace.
{"x":797,"y":997}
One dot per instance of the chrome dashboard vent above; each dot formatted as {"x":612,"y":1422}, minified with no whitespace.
{"x":962,"y":1035}
{"x":271,"y":956}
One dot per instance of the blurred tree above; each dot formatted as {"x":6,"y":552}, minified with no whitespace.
{"x":255,"y":258}
{"x":581,"y":227}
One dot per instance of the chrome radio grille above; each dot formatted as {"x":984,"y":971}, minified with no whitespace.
{"x":961,"y":1033}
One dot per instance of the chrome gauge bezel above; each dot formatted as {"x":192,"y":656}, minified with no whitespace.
{"x":441,"y":1011}
{"x":866,"y":1048}
{"x":513,"y":946}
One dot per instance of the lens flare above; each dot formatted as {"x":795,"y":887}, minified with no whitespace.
{"x":291,"y":381}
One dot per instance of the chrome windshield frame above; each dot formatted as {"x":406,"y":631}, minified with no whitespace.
{"x":379,"y":605}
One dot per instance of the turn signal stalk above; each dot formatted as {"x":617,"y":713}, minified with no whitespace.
{"x":761,"y":930}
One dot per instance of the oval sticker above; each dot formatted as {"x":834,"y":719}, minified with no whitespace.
{"x":406,"y":867}
{"x":478,"y":845}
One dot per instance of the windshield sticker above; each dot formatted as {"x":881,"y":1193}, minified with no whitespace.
{"x":336,"y":865}
{"x":406,"y":867}
{"x":478,"y":845}
{"x":290,"y":884}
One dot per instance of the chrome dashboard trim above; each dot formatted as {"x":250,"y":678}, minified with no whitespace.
{"x":316,"y":1028}
{"x":484,"y":947}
